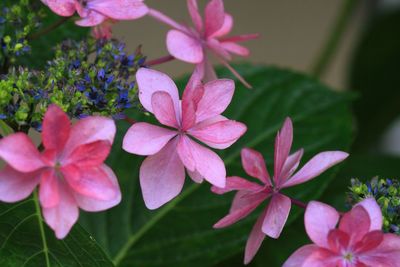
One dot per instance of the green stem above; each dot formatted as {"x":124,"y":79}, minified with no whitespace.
{"x":41,"y":227}
{"x":332,"y":43}
{"x":50,"y":28}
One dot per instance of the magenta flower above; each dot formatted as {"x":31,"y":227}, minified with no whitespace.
{"x":70,"y":170}
{"x":94,"y":12}
{"x":357,"y":242}
{"x":191,"y":45}
{"x":197,"y":116}
{"x":250,"y":195}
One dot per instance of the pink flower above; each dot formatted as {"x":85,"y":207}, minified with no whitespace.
{"x":70,"y":170}
{"x":357,"y":242}
{"x":103,"y":30}
{"x":197,"y":116}
{"x":250,"y":195}
{"x":208,"y":35}
{"x":94,"y":12}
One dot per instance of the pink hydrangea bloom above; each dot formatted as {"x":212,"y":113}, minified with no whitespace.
{"x":70,"y":171}
{"x":357,"y":242}
{"x":94,"y":12}
{"x":250,"y":195}
{"x":170,"y":151}
{"x":209,"y":35}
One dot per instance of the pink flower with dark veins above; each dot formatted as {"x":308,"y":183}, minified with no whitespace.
{"x":357,"y":242}
{"x":171,"y":150}
{"x":250,"y":195}
{"x":208,"y":36}
{"x":95,"y":12}
{"x":70,"y":172}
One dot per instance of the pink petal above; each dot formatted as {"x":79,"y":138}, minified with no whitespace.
{"x":317,"y":165}
{"x":93,"y":204}
{"x":283,"y":143}
{"x":220,"y":133}
{"x":217,"y":48}
{"x":49,"y":192}
{"x":319,"y":220}
{"x":369,"y":242}
{"x":238,"y":214}
{"x":195,"y":15}
{"x":93,"y":18}
{"x":89,"y":130}
{"x":244,"y":198}
{"x":216,"y":98}
{"x":236,"y":183}
{"x":20,"y":153}
{"x":386,"y":254}
{"x":184,"y":150}
{"x":240,"y":38}
{"x":93,"y":182}
{"x":163,"y":108}
{"x":214,"y":17}
{"x":191,"y":96}
{"x":254,"y":165}
{"x":162,"y":177}
{"x":16,"y":186}
{"x":277,"y":214}
{"x":208,"y":164}
{"x":103,"y":30}
{"x":120,"y":9}
{"x":234,"y":72}
{"x":374,"y":211}
{"x":226,"y":27}
{"x":62,"y":217}
{"x":56,"y":128}
{"x":299,"y":257}
{"x":184,"y":47}
{"x":338,"y":240}
{"x":255,"y":239}
{"x":290,"y":166}
{"x":206,"y":70}
{"x":167,"y":20}
{"x":89,"y":155}
{"x":64,"y":8}
{"x":236,"y":49}
{"x":151,"y":81}
{"x":195,"y":176}
{"x":146,"y":139}
{"x":356,"y":223}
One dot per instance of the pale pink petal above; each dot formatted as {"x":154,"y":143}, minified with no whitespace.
{"x":49,"y":191}
{"x":226,"y":27}
{"x":214,"y":17}
{"x":283,"y":143}
{"x":167,"y":20}
{"x":319,"y":219}
{"x":238,"y":214}
{"x":317,"y":165}
{"x":88,"y":155}
{"x":20,"y":153}
{"x":236,"y":183}
{"x":254,"y":165}
{"x":206,"y":70}
{"x":93,"y":182}
{"x":56,"y":128}
{"x":374,"y":211}
{"x":216,"y":47}
{"x":151,"y":81}
{"x":162,"y":177}
{"x":236,"y":49}
{"x":64,"y":8}
{"x":145,"y":139}
{"x":240,"y":38}
{"x":216,"y":98}
{"x":103,"y":30}
{"x":93,"y":204}
{"x":356,"y":223}
{"x":221,"y":133}
{"x":120,"y":9}
{"x":93,"y":18}
{"x":387,"y":254}
{"x":255,"y":239}
{"x":62,"y":217}
{"x":277,"y":214}
{"x":245,"y":198}
{"x":208,"y":164}
{"x":163,"y":108}
{"x":290,"y":166}
{"x":15,"y":185}
{"x":184,"y":150}
{"x":195,"y":176}
{"x":234,"y":72}
{"x":184,"y":47}
{"x":299,"y":257}
{"x":89,"y":130}
{"x":195,"y":15}
{"x":191,"y":96}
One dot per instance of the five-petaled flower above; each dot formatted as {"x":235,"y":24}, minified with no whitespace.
{"x":95,"y":12}
{"x":250,"y":195}
{"x":357,"y":242}
{"x":162,"y":174}
{"x":70,"y":171}
{"x":208,"y":36}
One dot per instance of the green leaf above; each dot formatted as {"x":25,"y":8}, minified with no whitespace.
{"x":181,"y":233}
{"x":25,"y":240}
{"x":374,"y":74}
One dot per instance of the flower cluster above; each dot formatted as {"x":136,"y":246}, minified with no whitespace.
{"x":85,"y":78}
{"x":387,"y":194}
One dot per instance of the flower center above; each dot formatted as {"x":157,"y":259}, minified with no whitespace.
{"x":348,"y":256}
